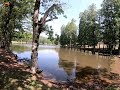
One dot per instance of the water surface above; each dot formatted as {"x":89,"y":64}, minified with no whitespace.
{"x":62,"y":64}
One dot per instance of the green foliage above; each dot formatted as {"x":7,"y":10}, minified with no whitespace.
{"x":88,"y":27}
{"x":49,"y":32}
{"x":13,"y":17}
{"x":22,"y":9}
{"x":57,"y":39}
{"x":55,"y":11}
{"x":68,"y":33}
{"x":44,"y":40}
{"x":51,"y":39}
{"x":22,"y":36}
{"x":100,"y":26}
{"x":110,"y":12}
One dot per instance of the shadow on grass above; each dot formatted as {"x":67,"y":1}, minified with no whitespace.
{"x":96,"y":79}
{"x":12,"y":79}
{"x":17,"y":76}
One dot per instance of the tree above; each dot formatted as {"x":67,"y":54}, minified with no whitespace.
{"x":110,"y":11}
{"x":22,"y":36}
{"x":63,"y":37}
{"x":38,"y":25}
{"x":82,"y":37}
{"x":117,"y":18}
{"x":92,"y":37}
{"x":88,"y":28}
{"x":69,"y":34}
{"x":5,"y":26}
{"x":13,"y":14}
{"x":44,"y":40}
{"x":57,"y":39}
{"x":102,"y":25}
{"x":49,"y":32}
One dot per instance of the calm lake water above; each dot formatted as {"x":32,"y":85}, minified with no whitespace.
{"x":61,"y":64}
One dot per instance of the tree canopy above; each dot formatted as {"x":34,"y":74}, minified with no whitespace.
{"x":68,"y":33}
{"x":12,"y":17}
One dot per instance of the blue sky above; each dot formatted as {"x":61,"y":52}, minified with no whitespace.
{"x":74,"y":7}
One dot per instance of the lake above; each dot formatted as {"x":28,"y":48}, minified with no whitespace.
{"x":62,"y":64}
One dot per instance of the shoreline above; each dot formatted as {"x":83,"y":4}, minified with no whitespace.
{"x":18,"y":72}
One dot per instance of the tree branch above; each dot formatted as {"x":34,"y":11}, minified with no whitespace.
{"x":46,"y":14}
{"x":51,"y":19}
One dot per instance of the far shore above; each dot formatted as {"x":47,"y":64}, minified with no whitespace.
{"x":18,"y":42}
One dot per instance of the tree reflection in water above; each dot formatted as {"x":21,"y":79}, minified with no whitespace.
{"x":82,"y":70}
{"x":89,"y":78}
{"x":69,"y":68}
{"x":20,"y":49}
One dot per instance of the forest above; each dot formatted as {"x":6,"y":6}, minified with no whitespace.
{"x":98,"y":34}
{"x":95,"y":27}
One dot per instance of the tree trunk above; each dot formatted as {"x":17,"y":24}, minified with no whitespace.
{"x":6,"y":41}
{"x":37,"y":29}
{"x":70,"y":44}
{"x":119,"y":42}
{"x":6,"y":32}
{"x":36,"y":33}
{"x":93,"y":50}
{"x":35,"y":45}
{"x":6,"y":37}
{"x":119,"y":45}
{"x":84,"y":48}
{"x":99,"y":46}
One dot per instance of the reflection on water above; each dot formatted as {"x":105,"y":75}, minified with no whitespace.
{"x":62,"y":64}
{"x":20,"y":48}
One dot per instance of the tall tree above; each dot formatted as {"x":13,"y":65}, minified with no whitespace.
{"x":6,"y":39}
{"x":63,"y":37}
{"x":88,"y":28}
{"x":12,"y":16}
{"x":92,"y":27}
{"x":69,"y":34}
{"x":51,"y":12}
{"x":57,"y":39}
{"x":82,"y":36}
{"x":109,"y":14}
{"x":49,"y":32}
{"x":117,"y":18}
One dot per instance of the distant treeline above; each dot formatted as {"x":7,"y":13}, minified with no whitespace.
{"x":26,"y":37}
